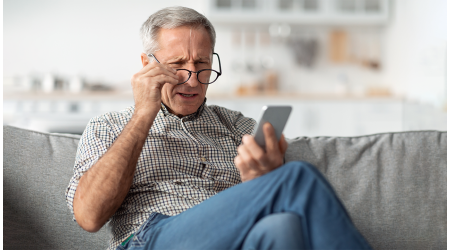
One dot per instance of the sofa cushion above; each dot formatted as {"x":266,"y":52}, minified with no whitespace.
{"x":394,"y":184}
{"x":37,"y":168}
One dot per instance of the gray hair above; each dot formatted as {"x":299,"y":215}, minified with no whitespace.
{"x":170,"y":18}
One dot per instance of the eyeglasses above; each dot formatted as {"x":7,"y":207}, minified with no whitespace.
{"x":204,"y":76}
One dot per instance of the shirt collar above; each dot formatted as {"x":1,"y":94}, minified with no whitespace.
{"x":190,"y":117}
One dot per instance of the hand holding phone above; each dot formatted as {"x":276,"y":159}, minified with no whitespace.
{"x":275,"y":115}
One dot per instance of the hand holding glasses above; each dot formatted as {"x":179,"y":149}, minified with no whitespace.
{"x":204,"y":76}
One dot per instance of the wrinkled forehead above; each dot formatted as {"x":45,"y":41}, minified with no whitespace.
{"x":196,"y":37}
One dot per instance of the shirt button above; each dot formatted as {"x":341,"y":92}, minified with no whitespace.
{"x":203,"y":159}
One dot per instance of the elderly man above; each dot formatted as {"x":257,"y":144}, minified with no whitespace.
{"x":167,"y":172}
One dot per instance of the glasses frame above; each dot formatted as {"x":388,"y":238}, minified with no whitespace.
{"x":197,"y":72}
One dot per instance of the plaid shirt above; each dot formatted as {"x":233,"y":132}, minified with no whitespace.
{"x":184,"y":161}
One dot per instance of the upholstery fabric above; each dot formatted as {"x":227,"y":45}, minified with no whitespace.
{"x":37,"y":168}
{"x":394,"y":184}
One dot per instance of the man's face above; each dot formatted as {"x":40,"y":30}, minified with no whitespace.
{"x":184,"y":48}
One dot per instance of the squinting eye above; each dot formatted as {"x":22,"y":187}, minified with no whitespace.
{"x":175,"y":65}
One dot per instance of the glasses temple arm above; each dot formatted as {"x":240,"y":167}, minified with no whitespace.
{"x":153,"y":57}
{"x":220,"y":67}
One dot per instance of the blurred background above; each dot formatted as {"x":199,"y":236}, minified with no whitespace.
{"x":348,"y":67}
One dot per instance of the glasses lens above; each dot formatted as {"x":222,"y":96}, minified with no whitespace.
{"x":183,"y":75}
{"x":207,"y":76}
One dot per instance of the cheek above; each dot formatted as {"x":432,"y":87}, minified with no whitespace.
{"x":166,"y":93}
{"x":167,"y":89}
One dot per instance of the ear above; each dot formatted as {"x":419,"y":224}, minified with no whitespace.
{"x":144,"y":59}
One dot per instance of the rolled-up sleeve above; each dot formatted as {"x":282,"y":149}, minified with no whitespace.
{"x":95,"y":141}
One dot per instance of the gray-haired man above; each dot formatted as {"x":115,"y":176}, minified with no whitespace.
{"x":165,"y":172}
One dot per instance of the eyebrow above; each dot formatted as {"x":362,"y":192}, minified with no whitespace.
{"x":182,"y":59}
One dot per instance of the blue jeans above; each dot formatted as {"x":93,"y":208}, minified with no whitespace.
{"x":292,"y":207}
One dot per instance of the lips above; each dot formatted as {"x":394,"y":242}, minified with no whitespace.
{"x":187,"y":95}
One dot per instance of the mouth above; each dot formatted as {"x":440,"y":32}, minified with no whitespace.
{"x":189,"y":96}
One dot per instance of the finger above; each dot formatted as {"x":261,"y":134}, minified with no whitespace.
{"x":161,"y":70}
{"x":149,"y":66}
{"x":257,"y":153}
{"x":242,"y":166}
{"x":162,"y":79}
{"x":247,"y":157}
{"x":272,"y":146}
{"x":283,"y":145}
{"x":142,"y":80}
{"x":239,"y":164}
{"x":154,"y":68}
{"x":171,"y":69}
{"x":167,"y":67}
{"x":246,"y":172}
{"x":156,"y":75}
{"x":154,"y":63}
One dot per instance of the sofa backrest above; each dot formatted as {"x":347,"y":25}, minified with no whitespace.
{"x":37,"y":168}
{"x":394,"y":185}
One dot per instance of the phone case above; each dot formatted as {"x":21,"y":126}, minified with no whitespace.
{"x":275,"y":115}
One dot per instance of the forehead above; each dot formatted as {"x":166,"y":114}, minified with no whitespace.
{"x":194,"y":41}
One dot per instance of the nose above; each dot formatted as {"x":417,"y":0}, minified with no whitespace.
{"x":193,"y":80}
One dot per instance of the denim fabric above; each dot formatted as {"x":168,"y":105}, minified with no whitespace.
{"x":276,"y":231}
{"x":225,"y":220}
{"x":137,"y":242}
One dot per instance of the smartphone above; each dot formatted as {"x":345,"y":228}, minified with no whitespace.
{"x":275,"y":115}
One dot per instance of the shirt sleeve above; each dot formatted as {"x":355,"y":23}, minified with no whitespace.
{"x":243,"y":125}
{"x":95,"y":141}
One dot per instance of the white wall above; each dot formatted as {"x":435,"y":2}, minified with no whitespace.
{"x":97,"y":39}
{"x":415,"y":45}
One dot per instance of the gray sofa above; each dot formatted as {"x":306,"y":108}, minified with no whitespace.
{"x":393,"y":185}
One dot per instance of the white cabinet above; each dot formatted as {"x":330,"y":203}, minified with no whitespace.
{"x":344,"y":117}
{"x":328,"y":12}
{"x":309,"y":117}
{"x":60,"y":114}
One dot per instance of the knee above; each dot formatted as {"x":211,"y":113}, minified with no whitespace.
{"x":280,"y":231}
{"x":279,"y":223}
{"x":294,"y":168}
{"x":299,"y":164}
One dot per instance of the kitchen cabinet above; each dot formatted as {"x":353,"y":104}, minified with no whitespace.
{"x":60,"y":112}
{"x":311,"y":116}
{"x":328,"y":116}
{"x":326,"y":12}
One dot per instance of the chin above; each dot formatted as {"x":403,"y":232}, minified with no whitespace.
{"x":183,"y":108}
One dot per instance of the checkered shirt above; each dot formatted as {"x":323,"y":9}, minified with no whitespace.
{"x":184,"y":161}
